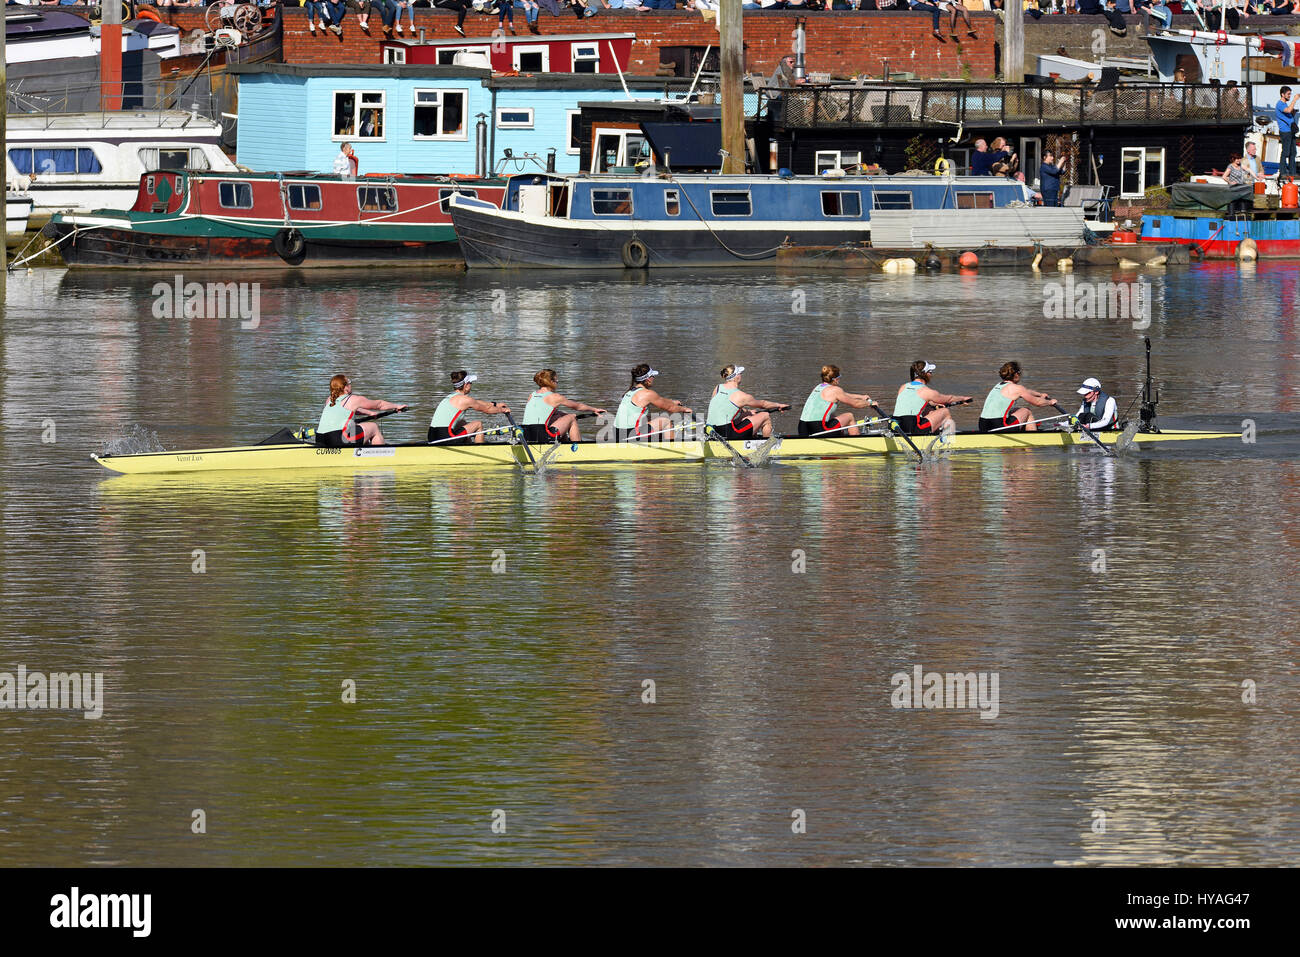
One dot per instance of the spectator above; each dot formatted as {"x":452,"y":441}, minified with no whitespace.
{"x":362,"y":7}
{"x":346,"y":163}
{"x":1002,"y":161}
{"x":397,"y":7}
{"x":1236,"y":174}
{"x":1159,"y":11}
{"x":315,"y":11}
{"x":933,"y":10}
{"x":505,"y":11}
{"x":1251,"y":161}
{"x":1116,"y":20}
{"x":783,"y":77}
{"x":957,"y":9}
{"x":462,"y":7}
{"x":1049,"y":178}
{"x":1284,"y":113}
{"x":981,"y":161}
{"x":335,"y":11}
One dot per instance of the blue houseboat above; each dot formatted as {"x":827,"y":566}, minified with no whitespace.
{"x":695,"y":220}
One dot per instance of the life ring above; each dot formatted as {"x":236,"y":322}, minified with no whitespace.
{"x":635,"y":254}
{"x":942,"y":166}
{"x":290,"y":246}
{"x":148,"y":13}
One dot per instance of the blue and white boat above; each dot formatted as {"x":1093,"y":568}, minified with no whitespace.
{"x":696,"y":220}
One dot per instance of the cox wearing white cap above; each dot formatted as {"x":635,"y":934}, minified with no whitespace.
{"x":1099,"y":410}
{"x":917,"y":408}
{"x":732,"y":412}
{"x":447,"y":422}
{"x":633,"y":416}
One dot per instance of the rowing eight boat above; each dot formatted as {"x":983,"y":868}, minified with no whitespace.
{"x":304,"y":456}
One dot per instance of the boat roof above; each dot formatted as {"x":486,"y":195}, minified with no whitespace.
{"x":879,"y":179}
{"x":86,"y":122}
{"x":374,"y":179}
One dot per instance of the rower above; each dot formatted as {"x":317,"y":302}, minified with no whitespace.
{"x":732,"y":412}
{"x":632,"y":417}
{"x":819,"y":414}
{"x":544,"y":422}
{"x":1099,"y":411}
{"x":446,"y":422}
{"x":918,"y":408}
{"x":1000,"y":412}
{"x":338,"y":426}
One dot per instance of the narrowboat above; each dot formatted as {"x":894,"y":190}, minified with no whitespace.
{"x":192,"y":218}
{"x":1276,"y":233}
{"x":696,"y":220}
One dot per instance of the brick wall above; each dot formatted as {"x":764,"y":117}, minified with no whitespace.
{"x":839,"y":43}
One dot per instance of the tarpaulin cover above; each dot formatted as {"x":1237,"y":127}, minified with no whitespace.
{"x":1208,"y":195}
{"x":694,"y":145}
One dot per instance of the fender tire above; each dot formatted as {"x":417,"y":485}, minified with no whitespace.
{"x":290,"y":246}
{"x":635,"y":254}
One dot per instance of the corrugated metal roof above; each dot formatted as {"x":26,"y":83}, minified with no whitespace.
{"x":972,"y":228}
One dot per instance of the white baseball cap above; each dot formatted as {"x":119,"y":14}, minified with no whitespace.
{"x":650,"y":374}
{"x":465,"y":381}
{"x":1089,"y":385}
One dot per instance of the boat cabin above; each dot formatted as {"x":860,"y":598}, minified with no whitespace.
{"x":548,"y":53}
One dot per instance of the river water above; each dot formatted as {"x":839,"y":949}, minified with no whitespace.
{"x":505,"y":634}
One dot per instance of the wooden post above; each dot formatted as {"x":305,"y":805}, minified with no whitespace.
{"x":110,"y":56}
{"x":4,"y":95}
{"x":1013,"y":47}
{"x":731,"y":33}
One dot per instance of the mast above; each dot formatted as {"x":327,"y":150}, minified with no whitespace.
{"x":731,"y":54}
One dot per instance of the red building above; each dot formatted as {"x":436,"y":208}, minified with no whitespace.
{"x":576,"y":53}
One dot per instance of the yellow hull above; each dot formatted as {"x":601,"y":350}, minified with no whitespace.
{"x":309,"y":457}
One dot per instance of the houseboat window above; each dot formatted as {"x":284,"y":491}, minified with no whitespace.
{"x":1141,"y":168}
{"x":447,"y":55}
{"x":975,"y":200}
{"x":532,"y":59}
{"x":672,"y":203}
{"x":151,"y":157}
{"x":586,"y":58}
{"x":960,"y":160}
{"x":892,"y":200}
{"x":841,"y":203}
{"x":72,"y":160}
{"x":394,"y":54}
{"x":235,"y":195}
{"x":515,"y":119}
{"x":835,"y":159}
{"x":446,"y":194}
{"x":611,"y":202}
{"x":377,"y":199}
{"x":359,"y":114}
{"x":304,"y":196}
{"x":726,"y":203}
{"x":440,"y":114}
{"x":574,"y":145}
{"x":173,"y":159}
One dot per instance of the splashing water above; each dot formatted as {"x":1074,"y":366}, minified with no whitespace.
{"x":135,"y":441}
{"x":764,"y":452}
{"x":1125,"y":441}
{"x":546,"y":458}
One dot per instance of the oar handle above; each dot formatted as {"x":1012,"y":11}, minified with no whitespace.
{"x":380,"y":415}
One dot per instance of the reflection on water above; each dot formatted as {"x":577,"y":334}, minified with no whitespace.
{"x":501,"y":629}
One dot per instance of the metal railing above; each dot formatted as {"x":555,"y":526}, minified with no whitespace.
{"x":931,"y":105}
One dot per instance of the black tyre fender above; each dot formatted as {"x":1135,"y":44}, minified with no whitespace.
{"x":290,"y":246}
{"x":635,"y":254}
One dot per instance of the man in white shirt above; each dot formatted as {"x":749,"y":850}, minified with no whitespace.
{"x":1099,"y":411}
{"x":346,"y":163}
{"x":1251,"y":161}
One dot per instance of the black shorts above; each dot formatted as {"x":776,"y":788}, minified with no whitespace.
{"x":914,"y":425}
{"x":538,"y":434}
{"x":739,"y":428}
{"x":439,"y":432}
{"x":807,"y":429}
{"x":335,"y":439}
{"x":989,"y":425}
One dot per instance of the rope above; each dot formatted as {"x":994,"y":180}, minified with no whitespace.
{"x":765,"y":254}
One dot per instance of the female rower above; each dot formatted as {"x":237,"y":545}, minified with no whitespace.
{"x":917,"y":408}
{"x":731,"y":412}
{"x":338,"y":426}
{"x":543,"y":420}
{"x":819,"y":414}
{"x":446,"y":422}
{"x":999,"y":410}
{"x":633,"y":410}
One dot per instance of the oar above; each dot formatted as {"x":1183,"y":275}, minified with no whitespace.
{"x":672,"y":428}
{"x":838,"y":428}
{"x":713,"y":433}
{"x":380,"y":415}
{"x":1087,"y":432}
{"x":1021,"y":425}
{"x":470,"y":435}
{"x":527,"y":447}
{"x":893,"y":424}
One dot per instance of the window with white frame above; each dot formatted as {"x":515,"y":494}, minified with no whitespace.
{"x":515,"y":119}
{"x":841,"y":202}
{"x":1140,"y":168}
{"x":960,"y":158}
{"x":359,"y":114}
{"x":394,"y":54}
{"x":835,"y":159}
{"x":235,"y":195}
{"x":730,"y":202}
{"x":440,"y":114}
{"x":672,"y":202}
{"x":304,"y":196}
{"x":585,"y":57}
{"x":974,"y":199}
{"x":447,"y":55}
{"x":446,"y":194}
{"x":893,"y":199}
{"x":528,"y":59}
{"x":574,"y":144}
{"x":377,"y":199}
{"x":611,"y":202}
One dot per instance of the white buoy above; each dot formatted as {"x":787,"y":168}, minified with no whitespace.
{"x":1128,"y":263}
{"x":1159,"y":261}
{"x":1247,"y":251}
{"x":899,"y":265}
{"x":1065,"y":264}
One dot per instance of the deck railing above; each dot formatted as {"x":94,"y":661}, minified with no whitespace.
{"x":931,"y":105}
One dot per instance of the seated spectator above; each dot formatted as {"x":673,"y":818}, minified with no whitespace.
{"x":958,"y":9}
{"x":1157,"y":10}
{"x":783,"y":77}
{"x":362,"y":7}
{"x":1236,"y":174}
{"x":1116,"y":20}
{"x":933,"y":10}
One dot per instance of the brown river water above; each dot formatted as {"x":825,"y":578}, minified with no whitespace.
{"x":501,"y":630}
